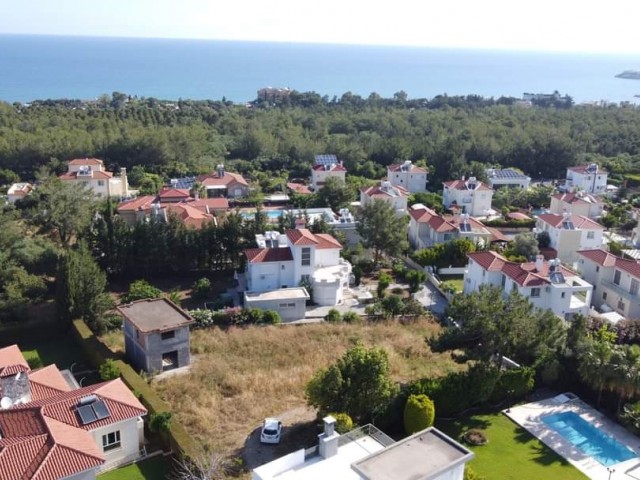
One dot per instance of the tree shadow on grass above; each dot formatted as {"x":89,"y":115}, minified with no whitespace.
{"x":540,"y":453}
{"x":456,"y":428}
{"x":156,"y":468}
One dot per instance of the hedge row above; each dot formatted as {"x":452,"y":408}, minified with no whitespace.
{"x":97,"y":353}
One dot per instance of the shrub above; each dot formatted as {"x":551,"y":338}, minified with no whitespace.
{"x":139,"y":290}
{"x":513,"y":384}
{"x":344,"y":423}
{"x":201,"y":289}
{"x":399,"y":270}
{"x":397,"y":290}
{"x":415,"y":278}
{"x":469,"y":474}
{"x":419,"y":413}
{"x":351,"y":317}
{"x":34,"y":362}
{"x":333,"y":316}
{"x":384,"y":280}
{"x":271,"y":317}
{"x":160,"y":422}
{"x":112,"y":321}
{"x":109,"y":370}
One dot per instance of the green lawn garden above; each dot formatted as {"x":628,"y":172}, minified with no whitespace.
{"x":155,"y":468}
{"x":511,"y":452}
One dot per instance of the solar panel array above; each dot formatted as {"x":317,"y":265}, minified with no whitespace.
{"x":506,"y":173}
{"x":326,"y":160}
{"x":185,"y":182}
{"x":568,"y":225}
{"x":92,"y":412}
{"x":465,"y":227}
{"x":556,"y":277}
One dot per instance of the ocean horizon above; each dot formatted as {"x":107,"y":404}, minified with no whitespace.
{"x":52,"y":67}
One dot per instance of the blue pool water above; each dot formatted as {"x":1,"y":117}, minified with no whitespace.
{"x":271,"y":214}
{"x":589,"y":439}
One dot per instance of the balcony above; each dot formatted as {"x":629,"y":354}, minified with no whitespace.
{"x":623,"y":292}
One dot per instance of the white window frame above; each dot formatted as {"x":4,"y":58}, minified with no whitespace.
{"x":305,"y":262}
{"x":535,"y":292}
{"x":111,"y":441}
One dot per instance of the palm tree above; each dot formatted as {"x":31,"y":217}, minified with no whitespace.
{"x":625,"y":380}
{"x":594,"y":365}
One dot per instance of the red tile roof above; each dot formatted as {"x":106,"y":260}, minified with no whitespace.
{"x":443,"y":223}
{"x":497,"y":235}
{"x":464,"y":185}
{"x":212,"y":179}
{"x":327,"y":241}
{"x":524,"y":274}
{"x":518,"y":216}
{"x":173,"y":194}
{"x":263,"y":255}
{"x":583,"y":169}
{"x":397,"y":167}
{"x":377,"y":191}
{"x":140,"y":203}
{"x":301,"y":236}
{"x":607,"y":259}
{"x":86,"y":161}
{"x":335,"y":167}
{"x":219,"y":203}
{"x":47,"y":382}
{"x":190,"y":216}
{"x":12,"y":361}
{"x":579,"y":221}
{"x":299,"y":188}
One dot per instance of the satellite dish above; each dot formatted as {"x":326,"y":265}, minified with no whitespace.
{"x":6,"y":403}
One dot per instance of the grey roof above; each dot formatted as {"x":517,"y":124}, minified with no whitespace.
{"x":155,"y":315}
{"x":506,"y":173}
{"x":422,"y":456}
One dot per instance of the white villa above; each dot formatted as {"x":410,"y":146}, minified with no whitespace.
{"x":285,"y":261}
{"x":507,"y":177}
{"x":325,"y":167}
{"x":579,"y":203}
{"x":616,"y":281}
{"x":366,"y":453}
{"x":408,"y":176}
{"x":427,"y":228}
{"x":471,"y":196}
{"x":91,"y":173}
{"x":547,"y":285}
{"x":18,"y":191}
{"x":587,"y":178}
{"x":395,"y":195}
{"x":570,"y":233}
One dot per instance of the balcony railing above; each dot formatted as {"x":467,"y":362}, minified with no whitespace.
{"x":367,"y":430}
{"x":623,"y":292}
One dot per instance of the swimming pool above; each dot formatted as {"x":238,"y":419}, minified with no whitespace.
{"x":588,"y":439}
{"x":271,"y":214}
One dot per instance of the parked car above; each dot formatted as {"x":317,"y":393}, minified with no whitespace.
{"x":271,"y":430}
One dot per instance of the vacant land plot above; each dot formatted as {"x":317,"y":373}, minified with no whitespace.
{"x":511,"y":453}
{"x":244,"y":375}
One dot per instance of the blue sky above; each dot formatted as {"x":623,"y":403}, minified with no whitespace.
{"x":560,"y":25}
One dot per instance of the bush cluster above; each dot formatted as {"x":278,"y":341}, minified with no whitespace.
{"x":234,"y":317}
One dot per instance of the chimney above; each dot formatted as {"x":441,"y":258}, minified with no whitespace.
{"x":328,"y":440}
{"x":539,"y":263}
{"x":220,"y":170}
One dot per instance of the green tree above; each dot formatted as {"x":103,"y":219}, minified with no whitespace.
{"x":594,"y":360}
{"x":381,"y":229}
{"x":333,"y":316}
{"x":358,"y":384}
{"x":64,"y":208}
{"x":109,"y":370}
{"x":525,"y":245}
{"x":384,"y":280}
{"x":419,"y":413}
{"x":201,"y":289}
{"x":139,"y":290}
{"x":415,"y":278}
{"x":344,"y":423}
{"x":334,"y":194}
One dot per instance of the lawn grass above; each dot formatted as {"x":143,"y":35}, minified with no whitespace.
{"x":512,"y":453}
{"x":242,"y":375}
{"x":457,"y":281}
{"x":155,"y":468}
{"x":62,"y":350}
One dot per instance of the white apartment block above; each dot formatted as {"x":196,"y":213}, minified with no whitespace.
{"x":547,"y":285}
{"x":90,"y":172}
{"x":408,"y":176}
{"x":616,"y":281}
{"x":587,"y":178}
{"x":471,"y":196}
{"x":570,"y":233}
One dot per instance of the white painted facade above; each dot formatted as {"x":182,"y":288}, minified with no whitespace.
{"x":408,"y":176}
{"x":131,"y":434}
{"x":570,"y":233}
{"x":91,"y":174}
{"x":472,"y":196}
{"x":395,"y":195}
{"x":320,"y":176}
{"x":587,"y":178}
{"x":564,"y":298}
{"x":579,"y":203}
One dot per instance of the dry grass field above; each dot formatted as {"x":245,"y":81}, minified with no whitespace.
{"x":243,"y":375}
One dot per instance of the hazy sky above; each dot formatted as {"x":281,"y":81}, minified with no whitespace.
{"x":553,"y":25}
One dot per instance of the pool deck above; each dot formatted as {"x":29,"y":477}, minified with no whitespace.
{"x":529,"y":417}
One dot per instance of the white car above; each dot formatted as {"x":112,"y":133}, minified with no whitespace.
{"x":271,"y":430}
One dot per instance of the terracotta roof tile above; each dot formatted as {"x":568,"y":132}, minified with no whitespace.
{"x":301,"y":236}
{"x":584,"y":169}
{"x":336,"y":167}
{"x":95,"y":175}
{"x":46,"y":382}
{"x":327,"y":241}
{"x":212,"y":179}
{"x":299,"y":188}
{"x":263,"y":255}
{"x":219,"y":203}
{"x":10,"y":358}
{"x":173,"y":193}
{"x":607,"y":259}
{"x":86,"y":161}
{"x":464,"y":185}
{"x":579,"y":221}
{"x":377,"y":191}
{"x":397,"y":167}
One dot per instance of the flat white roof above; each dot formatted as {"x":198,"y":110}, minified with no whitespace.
{"x":337,"y":467}
{"x":294,"y":293}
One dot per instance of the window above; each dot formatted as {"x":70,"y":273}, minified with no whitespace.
{"x":604,"y":295}
{"x":633,"y":290}
{"x":514,"y":287}
{"x":282,"y":267}
{"x":168,"y":335}
{"x":305,"y":278}
{"x":504,"y":280}
{"x":111,"y":441}
{"x":591,"y":235}
{"x":535,"y":292}
{"x":101,"y":183}
{"x":616,"y":277}
{"x":597,"y":268}
{"x":306,"y":257}
{"x":562,"y":295}
{"x":620,"y":304}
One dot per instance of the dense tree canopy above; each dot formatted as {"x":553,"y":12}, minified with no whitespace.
{"x":381,"y":229}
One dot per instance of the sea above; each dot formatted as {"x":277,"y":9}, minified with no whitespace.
{"x":54,"y":67}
